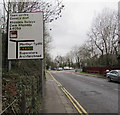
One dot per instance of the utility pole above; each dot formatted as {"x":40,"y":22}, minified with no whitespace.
{"x":119,"y":50}
{"x":119,"y":33}
{"x":1,"y":31}
{"x":0,"y":69}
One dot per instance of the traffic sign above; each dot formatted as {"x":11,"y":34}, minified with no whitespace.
{"x":25,"y":36}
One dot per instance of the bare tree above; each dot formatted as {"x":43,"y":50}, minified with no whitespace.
{"x":52,"y":11}
{"x":69,"y":58}
{"x":59,"y":61}
{"x":103,"y":33}
{"x":76,"y":58}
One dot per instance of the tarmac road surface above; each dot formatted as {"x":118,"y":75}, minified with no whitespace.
{"x":96,"y":95}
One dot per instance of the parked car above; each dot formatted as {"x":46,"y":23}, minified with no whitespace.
{"x":113,"y":75}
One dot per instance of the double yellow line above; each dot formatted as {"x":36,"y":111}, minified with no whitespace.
{"x":75,"y":103}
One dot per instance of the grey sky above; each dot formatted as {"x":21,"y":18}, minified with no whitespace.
{"x":71,"y":29}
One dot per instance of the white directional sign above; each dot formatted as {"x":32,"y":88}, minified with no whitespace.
{"x":25,"y":36}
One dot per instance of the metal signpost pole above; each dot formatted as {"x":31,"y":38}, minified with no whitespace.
{"x":8,"y":61}
{"x":0,"y":70}
{"x":118,"y":53}
{"x":42,"y":62}
{"x":119,"y":32}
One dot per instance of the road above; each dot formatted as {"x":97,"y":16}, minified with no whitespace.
{"x":96,"y":95}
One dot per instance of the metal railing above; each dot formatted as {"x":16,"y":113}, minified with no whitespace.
{"x":8,"y":106}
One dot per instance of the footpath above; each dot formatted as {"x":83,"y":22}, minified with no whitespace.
{"x":55,"y":100}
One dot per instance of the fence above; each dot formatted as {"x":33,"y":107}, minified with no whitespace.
{"x":99,"y":70}
{"x":21,"y":95}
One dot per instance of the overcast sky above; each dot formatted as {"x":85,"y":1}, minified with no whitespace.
{"x":77,"y":17}
{"x":72,"y":27}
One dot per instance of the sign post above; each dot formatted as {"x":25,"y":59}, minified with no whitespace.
{"x":119,"y":51}
{"x":25,"y":36}
{"x":0,"y":69}
{"x":119,"y":32}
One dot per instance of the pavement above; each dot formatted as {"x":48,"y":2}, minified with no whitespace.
{"x":55,"y":101}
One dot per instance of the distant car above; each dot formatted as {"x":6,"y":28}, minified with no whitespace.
{"x":60,"y":69}
{"x":66,"y":68}
{"x":113,"y":75}
{"x":71,"y":68}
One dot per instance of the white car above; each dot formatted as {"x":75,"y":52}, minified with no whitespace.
{"x":66,"y":68}
{"x":71,"y":68}
{"x":60,"y":69}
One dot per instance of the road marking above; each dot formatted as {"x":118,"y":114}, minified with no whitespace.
{"x":59,"y":84}
{"x":75,"y":103}
{"x":72,"y":101}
